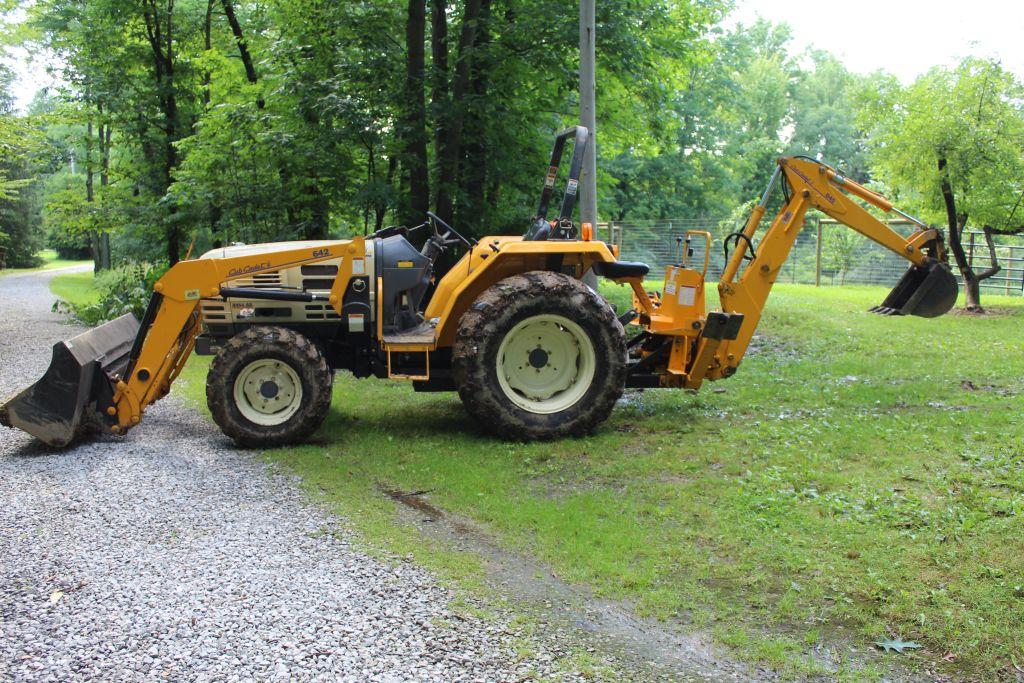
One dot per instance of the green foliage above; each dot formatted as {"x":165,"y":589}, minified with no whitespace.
{"x":23,"y":153}
{"x":115,"y":293}
{"x":972,"y":116}
{"x":746,"y":100}
{"x":896,"y":645}
{"x":825,"y":115}
{"x":839,"y":247}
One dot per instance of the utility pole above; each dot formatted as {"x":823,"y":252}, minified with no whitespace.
{"x":588,"y":117}
{"x":588,"y":114}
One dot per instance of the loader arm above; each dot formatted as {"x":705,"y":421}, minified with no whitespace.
{"x":106,"y":377}
{"x":748,"y":278}
{"x":172,"y":321}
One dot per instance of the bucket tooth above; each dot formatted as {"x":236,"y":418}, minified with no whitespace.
{"x":925,"y":291}
{"x":72,"y":396}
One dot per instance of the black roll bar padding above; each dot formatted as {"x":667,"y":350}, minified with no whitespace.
{"x":271,"y":295}
{"x":581,"y":138}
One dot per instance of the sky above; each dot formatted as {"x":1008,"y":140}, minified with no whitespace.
{"x":903,"y":37}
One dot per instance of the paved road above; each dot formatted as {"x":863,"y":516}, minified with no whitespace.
{"x":171,"y":555}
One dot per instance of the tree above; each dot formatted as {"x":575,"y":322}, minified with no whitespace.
{"x":219,"y":120}
{"x":951,"y":145}
{"x":23,"y":154}
{"x":824,"y":116}
{"x":414,"y":114}
{"x":839,"y":249}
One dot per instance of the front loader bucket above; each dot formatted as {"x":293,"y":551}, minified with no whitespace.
{"x":925,"y":291}
{"x":73,"y":395}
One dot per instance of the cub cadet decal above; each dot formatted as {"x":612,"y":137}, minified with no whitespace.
{"x":828,"y":196}
{"x":245,"y":270}
{"x":317,"y":253}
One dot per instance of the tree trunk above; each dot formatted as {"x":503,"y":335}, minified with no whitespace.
{"x":957,"y":222}
{"x":243,"y":48}
{"x":104,"y":137}
{"x":90,"y":197}
{"x":414,"y":117}
{"x":448,"y":162}
{"x":160,"y":34}
{"x":208,"y":45}
{"x":381,"y":210}
{"x":439,"y":69}
{"x":474,"y":214}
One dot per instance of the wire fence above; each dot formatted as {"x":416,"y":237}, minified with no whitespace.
{"x":825,"y":252}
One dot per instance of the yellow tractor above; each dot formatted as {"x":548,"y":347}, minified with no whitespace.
{"x":533,"y":351}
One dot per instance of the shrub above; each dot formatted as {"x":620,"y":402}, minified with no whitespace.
{"x":122,"y":290}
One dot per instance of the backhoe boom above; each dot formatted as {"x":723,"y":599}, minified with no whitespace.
{"x":711,"y":346}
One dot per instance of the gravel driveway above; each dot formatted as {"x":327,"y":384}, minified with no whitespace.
{"x":171,"y":555}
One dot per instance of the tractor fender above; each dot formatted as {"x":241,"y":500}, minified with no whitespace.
{"x":496,"y":258}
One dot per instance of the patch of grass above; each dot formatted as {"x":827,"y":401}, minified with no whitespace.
{"x":78,"y":289}
{"x":860,"y":475}
{"x":50,"y":262}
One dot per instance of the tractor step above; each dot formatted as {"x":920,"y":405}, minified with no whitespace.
{"x":411,"y":344}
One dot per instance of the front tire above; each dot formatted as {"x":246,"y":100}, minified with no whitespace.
{"x":540,"y":356}
{"x":268,"y":387}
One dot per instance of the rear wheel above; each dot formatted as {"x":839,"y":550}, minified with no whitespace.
{"x":540,"y":356}
{"x":269,"y":386}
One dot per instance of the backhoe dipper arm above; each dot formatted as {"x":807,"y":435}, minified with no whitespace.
{"x":810,"y":184}
{"x":172,"y":320}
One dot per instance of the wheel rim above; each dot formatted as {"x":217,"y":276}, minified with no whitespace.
{"x":268,"y":392}
{"x":545,"y":364}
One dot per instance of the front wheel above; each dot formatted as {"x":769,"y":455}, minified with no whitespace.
{"x":269,"y":386}
{"x":540,"y":356}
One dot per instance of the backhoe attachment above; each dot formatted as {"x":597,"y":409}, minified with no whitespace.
{"x":71,"y":398}
{"x":928,"y":288}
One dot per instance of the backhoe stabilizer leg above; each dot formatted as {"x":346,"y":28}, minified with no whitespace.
{"x":719,"y":327}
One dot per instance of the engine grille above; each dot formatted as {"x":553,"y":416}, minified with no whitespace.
{"x":268,"y":280}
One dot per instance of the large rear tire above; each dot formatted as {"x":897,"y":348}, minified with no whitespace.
{"x":539,"y":356}
{"x":268,"y":387}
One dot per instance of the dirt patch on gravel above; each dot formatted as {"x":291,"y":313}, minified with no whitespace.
{"x":653,"y":649}
{"x":648,"y":648}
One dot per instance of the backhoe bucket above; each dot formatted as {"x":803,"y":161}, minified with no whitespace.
{"x":925,"y":291}
{"x":73,"y":395}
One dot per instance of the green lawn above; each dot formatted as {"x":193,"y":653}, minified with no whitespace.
{"x":75,"y":288}
{"x":861,"y":476}
{"x":50,"y":262}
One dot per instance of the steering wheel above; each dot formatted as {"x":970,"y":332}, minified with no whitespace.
{"x":450,"y":236}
